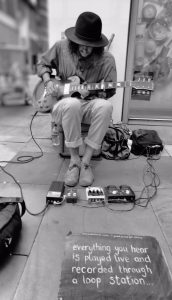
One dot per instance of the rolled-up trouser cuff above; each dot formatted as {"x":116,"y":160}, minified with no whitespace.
{"x":74,"y":144}
{"x":92,"y":144}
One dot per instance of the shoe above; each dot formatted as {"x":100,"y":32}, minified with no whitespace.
{"x":86,"y":175}
{"x":72,"y":175}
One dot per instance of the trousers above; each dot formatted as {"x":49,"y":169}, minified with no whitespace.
{"x":71,"y":112}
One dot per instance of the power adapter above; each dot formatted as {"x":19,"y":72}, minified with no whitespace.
{"x":55,"y":193}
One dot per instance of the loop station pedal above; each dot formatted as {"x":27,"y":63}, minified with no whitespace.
{"x":121,"y":194}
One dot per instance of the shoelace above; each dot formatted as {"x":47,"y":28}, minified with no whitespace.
{"x":86,"y":166}
{"x":74,"y":166}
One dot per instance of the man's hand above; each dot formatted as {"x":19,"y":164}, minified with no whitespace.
{"x":50,"y":87}
{"x":53,"y":89}
{"x":102,"y":94}
{"x":84,"y":93}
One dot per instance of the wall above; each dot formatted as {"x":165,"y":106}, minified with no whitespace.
{"x":115,"y":19}
{"x":8,"y":29}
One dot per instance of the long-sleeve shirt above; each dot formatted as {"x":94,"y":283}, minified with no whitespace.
{"x":92,"y":69}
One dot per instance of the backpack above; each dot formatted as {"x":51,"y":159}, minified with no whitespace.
{"x":115,"y":143}
{"x":10,"y":223}
{"x":146,"y":142}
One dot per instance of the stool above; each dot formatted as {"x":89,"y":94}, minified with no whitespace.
{"x":64,"y":151}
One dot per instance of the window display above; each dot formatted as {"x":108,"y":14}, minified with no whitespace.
{"x":152,"y":59}
{"x":154,"y":38}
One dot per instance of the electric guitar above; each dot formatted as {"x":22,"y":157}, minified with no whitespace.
{"x":44,"y":103}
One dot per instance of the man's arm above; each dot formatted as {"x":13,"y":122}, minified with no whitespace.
{"x":47,"y":62}
{"x":108,"y":74}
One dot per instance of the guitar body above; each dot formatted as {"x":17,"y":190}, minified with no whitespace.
{"x":44,"y":103}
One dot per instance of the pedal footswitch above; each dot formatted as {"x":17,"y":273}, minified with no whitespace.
{"x":71,"y":195}
{"x":121,"y":194}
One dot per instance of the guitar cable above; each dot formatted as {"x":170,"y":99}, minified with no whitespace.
{"x":150,"y":189}
{"x":23,"y":159}
{"x":29,"y":158}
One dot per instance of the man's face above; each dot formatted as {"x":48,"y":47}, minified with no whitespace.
{"x":85,"y":50}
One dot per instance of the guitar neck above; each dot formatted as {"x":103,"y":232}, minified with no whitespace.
{"x":99,"y":86}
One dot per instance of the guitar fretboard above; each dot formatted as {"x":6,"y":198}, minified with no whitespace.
{"x":98,"y":86}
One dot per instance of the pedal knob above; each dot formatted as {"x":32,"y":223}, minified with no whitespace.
{"x":114,"y":192}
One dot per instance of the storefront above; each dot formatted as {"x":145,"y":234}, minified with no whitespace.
{"x":149,"y":62}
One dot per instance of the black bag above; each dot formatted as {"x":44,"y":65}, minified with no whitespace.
{"x":115,"y":143}
{"x":10,"y":223}
{"x":146,"y":142}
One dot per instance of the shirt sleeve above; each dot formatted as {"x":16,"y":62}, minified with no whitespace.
{"x":110,"y":74}
{"x":107,"y":72}
{"x":48,"y":61}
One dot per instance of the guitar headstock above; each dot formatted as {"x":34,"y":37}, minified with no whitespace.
{"x":143,"y":84}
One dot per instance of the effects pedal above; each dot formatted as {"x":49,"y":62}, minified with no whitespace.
{"x":95,"y":195}
{"x":121,"y":194}
{"x":71,"y":195}
{"x":55,"y":193}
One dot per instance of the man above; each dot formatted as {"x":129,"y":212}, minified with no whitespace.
{"x":81,"y":54}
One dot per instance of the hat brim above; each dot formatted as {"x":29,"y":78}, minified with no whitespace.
{"x":70,"y":33}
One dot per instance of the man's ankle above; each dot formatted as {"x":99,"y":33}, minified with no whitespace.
{"x":85,"y":162}
{"x":75,"y":160}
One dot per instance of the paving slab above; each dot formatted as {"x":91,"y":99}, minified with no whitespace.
{"x":131,"y":172}
{"x":41,"y":126}
{"x":8,"y":151}
{"x":10,"y":274}
{"x":44,"y":263}
{"x":168,"y":148}
{"x":162,"y":207}
{"x":39,"y":171}
{"x":44,"y":143}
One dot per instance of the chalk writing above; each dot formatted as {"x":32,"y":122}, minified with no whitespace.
{"x":116,"y":260}
{"x":91,"y":248}
{"x":106,"y":263}
{"x":143,"y":270}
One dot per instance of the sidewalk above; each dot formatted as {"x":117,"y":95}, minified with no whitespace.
{"x":33,"y":272}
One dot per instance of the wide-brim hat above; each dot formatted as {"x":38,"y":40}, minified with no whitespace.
{"x":87,"y":31}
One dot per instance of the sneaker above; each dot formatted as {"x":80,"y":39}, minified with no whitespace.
{"x":86,"y":175}
{"x":72,"y":175}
